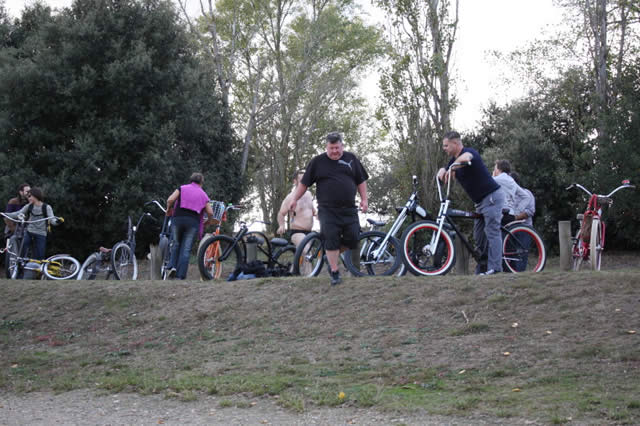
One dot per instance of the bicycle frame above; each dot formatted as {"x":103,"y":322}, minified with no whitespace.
{"x":131,"y":231}
{"x":410,"y":208}
{"x":212,"y":255}
{"x":443,"y":215}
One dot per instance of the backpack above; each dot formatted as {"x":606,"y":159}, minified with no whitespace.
{"x":44,"y":214}
{"x":254,"y":269}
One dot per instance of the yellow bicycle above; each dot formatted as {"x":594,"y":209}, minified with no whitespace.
{"x":56,"y":267}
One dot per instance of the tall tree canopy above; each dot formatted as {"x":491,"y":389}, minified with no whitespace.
{"x":417,"y":99}
{"x":291,"y":69}
{"x":582,"y":124}
{"x":106,"y":105}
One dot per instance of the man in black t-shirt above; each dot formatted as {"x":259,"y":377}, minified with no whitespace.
{"x":338,"y":175}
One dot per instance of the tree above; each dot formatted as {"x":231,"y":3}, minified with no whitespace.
{"x":417,"y":99}
{"x":108,"y":106}
{"x":292,"y":68}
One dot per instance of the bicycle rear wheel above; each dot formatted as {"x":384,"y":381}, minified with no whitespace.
{"x":386,"y":262}
{"x":123,"y":261}
{"x":310,"y":256}
{"x":420,"y":253}
{"x":596,"y":245}
{"x":523,"y":250}
{"x":61,"y":267}
{"x":218,"y":257}
{"x":89,"y":268}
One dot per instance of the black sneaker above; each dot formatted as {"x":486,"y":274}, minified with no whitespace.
{"x":335,"y":278}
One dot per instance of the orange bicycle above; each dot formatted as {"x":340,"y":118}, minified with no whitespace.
{"x":588,"y":242}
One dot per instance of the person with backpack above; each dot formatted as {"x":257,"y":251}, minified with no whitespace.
{"x":35,"y":237}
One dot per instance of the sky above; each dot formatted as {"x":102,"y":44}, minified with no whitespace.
{"x":484,"y":25}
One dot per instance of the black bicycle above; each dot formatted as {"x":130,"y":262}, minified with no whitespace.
{"x":428,"y":247}
{"x":164,"y":239}
{"x":220,"y":255}
{"x":119,"y":261}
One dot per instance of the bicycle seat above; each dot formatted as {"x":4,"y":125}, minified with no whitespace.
{"x":279,"y":242}
{"x":104,"y":250}
{"x":378,"y":222}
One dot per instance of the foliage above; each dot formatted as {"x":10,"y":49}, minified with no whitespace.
{"x":292,"y":67}
{"x":550,"y":138}
{"x":416,"y":94}
{"x":107,"y":106}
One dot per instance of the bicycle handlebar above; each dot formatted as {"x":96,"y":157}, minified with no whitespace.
{"x":21,"y":220}
{"x":461,"y":164}
{"x":448,"y":171}
{"x":625,"y":184}
{"x":157,"y":203}
{"x":235,"y":207}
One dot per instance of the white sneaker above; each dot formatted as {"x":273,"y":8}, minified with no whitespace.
{"x":489,"y":272}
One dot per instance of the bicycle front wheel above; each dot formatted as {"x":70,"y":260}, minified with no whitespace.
{"x":596,"y":245}
{"x":309,"y":256}
{"x":375,"y":259}
{"x":124,"y":263}
{"x":523,"y":250}
{"x":218,"y":257}
{"x":61,"y":267}
{"x":422,"y":254}
{"x":284,"y":259}
{"x":165,"y":254}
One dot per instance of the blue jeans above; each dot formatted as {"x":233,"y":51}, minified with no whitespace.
{"x":37,"y":243}
{"x":486,"y":231}
{"x":183,"y":233}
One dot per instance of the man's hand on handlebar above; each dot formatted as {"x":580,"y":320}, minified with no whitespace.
{"x":443,"y":175}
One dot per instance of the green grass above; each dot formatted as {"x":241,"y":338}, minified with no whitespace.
{"x":437,"y":345}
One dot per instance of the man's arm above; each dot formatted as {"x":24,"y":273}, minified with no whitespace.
{"x":300,"y":190}
{"x":527,"y":207}
{"x":209,"y":210}
{"x":284,"y":209}
{"x":364,"y":201}
{"x":172,"y":199}
{"x":11,"y":207}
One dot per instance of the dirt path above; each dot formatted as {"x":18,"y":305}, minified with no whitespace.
{"x":87,"y":408}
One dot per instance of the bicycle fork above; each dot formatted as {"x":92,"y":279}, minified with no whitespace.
{"x":435,"y":239}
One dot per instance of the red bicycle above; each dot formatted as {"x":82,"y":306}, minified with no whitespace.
{"x":588,"y":242}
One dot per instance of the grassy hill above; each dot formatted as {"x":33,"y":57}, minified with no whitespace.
{"x":553,"y":346}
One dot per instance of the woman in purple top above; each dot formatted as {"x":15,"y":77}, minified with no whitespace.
{"x":189,"y":202}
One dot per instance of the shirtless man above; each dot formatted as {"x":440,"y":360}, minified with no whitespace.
{"x":302,"y":220}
